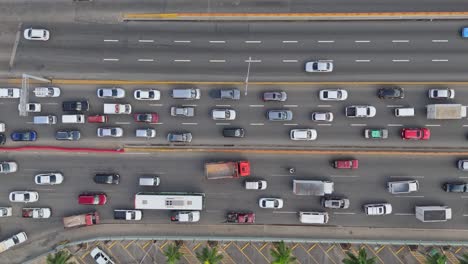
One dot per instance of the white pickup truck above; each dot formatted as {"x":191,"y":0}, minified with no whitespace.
{"x":13,"y":241}
{"x":36,"y":212}
{"x":399,"y":187}
{"x":360,"y":111}
{"x":128,"y":215}
{"x":117,"y":109}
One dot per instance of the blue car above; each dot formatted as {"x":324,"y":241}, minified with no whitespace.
{"x":24,"y":135}
{"x":464,"y":32}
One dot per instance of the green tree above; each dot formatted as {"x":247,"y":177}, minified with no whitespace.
{"x":173,"y":254}
{"x":361,"y":258}
{"x":209,"y":256}
{"x":61,"y":257}
{"x":282,"y":254}
{"x":464,"y":259}
{"x":436,"y":258}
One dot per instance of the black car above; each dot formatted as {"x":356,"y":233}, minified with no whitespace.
{"x":234,"y":132}
{"x":391,"y":93}
{"x":75,"y":106}
{"x":455,"y":187}
{"x":107,"y":178}
{"x":72,"y":135}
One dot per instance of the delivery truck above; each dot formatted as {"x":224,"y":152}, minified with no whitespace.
{"x":428,"y":214}
{"x":81,"y":220}
{"x":446,"y":111}
{"x":228,"y":169}
{"x":312,"y":187}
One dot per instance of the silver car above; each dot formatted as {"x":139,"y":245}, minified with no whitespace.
{"x":182,"y":111}
{"x":319,"y":66}
{"x":322,"y":116}
{"x":111,"y":93}
{"x":109,"y":132}
{"x":275,"y":96}
{"x":179,"y":137}
{"x":280,"y":115}
{"x":335,"y":203}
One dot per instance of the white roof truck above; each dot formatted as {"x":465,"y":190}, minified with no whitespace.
{"x":117,"y":109}
{"x":13,"y":241}
{"x":428,"y":214}
{"x":360,"y":111}
{"x":446,"y":111}
{"x":399,"y":187}
{"x":317,"y":188}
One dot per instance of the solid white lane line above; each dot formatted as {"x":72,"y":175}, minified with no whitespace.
{"x":289,"y":105}
{"x":49,"y":103}
{"x":290,"y":60}
{"x":325,"y":41}
{"x":189,"y":123}
{"x":324,"y":124}
{"x":145,"y":59}
{"x":223,"y":124}
{"x":256,"y":105}
{"x":440,"y":40}
{"x":289,"y":41}
{"x":362,"y":41}
{"x":465,"y":125}
{"x":394,"y":125}
{"x":404,"y":214}
{"x":217,"y":60}
{"x":156,"y":104}
{"x":182,"y":41}
{"x":394,"y":105}
{"x":362,"y":60}
{"x":217,"y":41}
{"x":253,"y":41}
{"x":358,"y":124}
{"x":186,"y":105}
{"x":110,"y":59}
{"x":406,"y":176}
{"x":409,"y":196}
{"x":111,"y":40}
{"x":432,"y":125}
{"x":324,"y":105}
{"x":223,"y":105}
{"x":122,"y":123}
{"x":344,"y":213}
{"x":252,"y":124}
{"x":400,"y":60}
{"x":439,"y":60}
{"x":146,"y":40}
{"x":159,"y":123}
{"x":290,"y":124}
{"x":253,"y":61}
{"x":182,"y":60}
{"x":400,"y":41}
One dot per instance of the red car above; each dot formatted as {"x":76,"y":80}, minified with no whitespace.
{"x":146,"y":117}
{"x":346,"y":164}
{"x":97,"y":119}
{"x":93,"y":198}
{"x":415,"y":133}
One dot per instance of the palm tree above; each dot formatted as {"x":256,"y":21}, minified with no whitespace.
{"x":464,"y":259}
{"x":282,"y":254}
{"x":173,"y":254}
{"x":209,"y":256}
{"x":361,"y":258}
{"x":61,"y":257}
{"x":436,"y":258}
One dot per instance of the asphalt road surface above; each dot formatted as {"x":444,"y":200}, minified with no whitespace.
{"x":362,"y":51}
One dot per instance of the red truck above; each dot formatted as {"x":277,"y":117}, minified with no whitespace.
{"x":346,"y":164}
{"x":81,"y":220}
{"x":228,"y":169}
{"x":240,"y":218}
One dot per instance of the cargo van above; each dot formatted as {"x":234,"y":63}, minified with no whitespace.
{"x":313,"y":217}
{"x":45,"y":120}
{"x":404,"y":111}
{"x":73,"y":119}
{"x":149,"y":181}
{"x":188,"y":94}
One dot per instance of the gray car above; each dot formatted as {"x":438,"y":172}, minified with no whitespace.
{"x":71,"y":135}
{"x":232,"y":94}
{"x":275,"y":96}
{"x":335,"y":203}
{"x":179,"y":137}
{"x":280,"y":115}
{"x":182,"y":111}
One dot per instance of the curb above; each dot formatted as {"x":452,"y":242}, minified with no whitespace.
{"x":60,"y":149}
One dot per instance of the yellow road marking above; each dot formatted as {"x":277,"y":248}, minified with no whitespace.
{"x":295,"y":246}
{"x":330,"y":248}
{"x":128,"y":252}
{"x":377,"y":256}
{"x":399,"y":250}
{"x":307,"y":251}
{"x":131,"y":242}
{"x":312,"y":247}
{"x":243,"y":253}
{"x":419,"y":257}
{"x":378,"y":250}
{"x":260,"y":251}
{"x":326,"y":253}
{"x":396,"y":256}
{"x":451,"y":258}
{"x":246,"y":245}
{"x":185,"y":249}
{"x":228,"y":244}
{"x":113,"y":243}
{"x":146,"y":244}
{"x":196,"y":246}
{"x":458,"y":249}
{"x":263,"y":246}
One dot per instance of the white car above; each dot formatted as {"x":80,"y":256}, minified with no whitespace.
{"x":5,"y":211}
{"x":147,"y":94}
{"x":51,"y":178}
{"x":378,"y":209}
{"x":100,"y":257}
{"x":36,"y":34}
{"x":109,"y":132}
{"x":14,"y":240}
{"x":303,"y":134}
{"x":145,"y":132}
{"x":8,"y":166}
{"x":111,"y":93}
{"x":275,"y":203}
{"x":9,"y":93}
{"x":322,"y":116}
{"x":319,"y":66}
{"x":32,"y":107}
{"x":46,"y":91}
{"x":223,"y":114}
{"x":442,"y":93}
{"x":333,"y":95}
{"x":24,"y":197}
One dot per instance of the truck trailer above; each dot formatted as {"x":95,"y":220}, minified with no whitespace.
{"x":226,"y":170}
{"x":81,"y":220}
{"x":446,"y":111}
{"x":429,"y":214}
{"x":308,"y":187}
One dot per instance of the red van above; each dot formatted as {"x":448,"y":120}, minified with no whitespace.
{"x":92,"y":198}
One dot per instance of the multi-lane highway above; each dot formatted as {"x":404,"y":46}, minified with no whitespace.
{"x":378,"y":51}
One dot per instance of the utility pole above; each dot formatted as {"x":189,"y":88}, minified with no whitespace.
{"x":24,"y":92}
{"x":248,"y":74}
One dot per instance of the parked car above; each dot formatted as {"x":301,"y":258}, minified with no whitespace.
{"x":376,"y":133}
{"x":100,"y":257}
{"x":107,"y":178}
{"x":8,"y":166}
{"x":145,"y":132}
{"x":319,"y":66}
{"x":5,"y":211}
{"x":184,"y":111}
{"x":75,"y":106}
{"x":111,"y":93}
{"x":335,"y":202}
{"x":280,"y":115}
{"x":462,"y":165}
{"x":346,"y":164}
{"x":30,"y":135}
{"x":24,"y":197}
{"x":234,"y":132}
{"x":415,"y":133}
{"x":32,"y":107}
{"x":97,"y":119}
{"x":322,"y":116}
{"x":444,"y":93}
{"x":46,"y":91}
{"x":303,"y":134}
{"x":109,"y":132}
{"x":147,"y":94}
{"x":458,"y":187}
{"x":51,"y":178}
{"x":274,"y":203}
{"x":394,"y":92}
{"x":277,"y":96}
{"x":146,"y":117}
{"x":71,"y":135}
{"x":223,"y":114}
{"x":36,"y":34}
{"x":378,"y":209}
{"x":179,"y":137}
{"x":333,"y":95}
{"x":92,"y":199}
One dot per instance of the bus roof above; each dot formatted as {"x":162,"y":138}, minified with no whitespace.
{"x":167,"y":201}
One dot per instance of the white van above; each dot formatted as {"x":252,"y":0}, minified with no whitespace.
{"x":188,"y":94}
{"x":45,"y":120}
{"x":313,"y":217}
{"x":255,"y":185}
{"x":73,"y":119}
{"x":149,"y":181}
{"x":404,"y":111}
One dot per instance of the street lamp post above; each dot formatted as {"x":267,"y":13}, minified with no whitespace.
{"x":248,"y":74}
{"x":24,"y":92}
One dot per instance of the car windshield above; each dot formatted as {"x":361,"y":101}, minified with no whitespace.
{"x":457,"y":188}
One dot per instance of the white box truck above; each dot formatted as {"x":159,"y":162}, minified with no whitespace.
{"x":308,"y":187}
{"x":446,"y":111}
{"x":117,"y":109}
{"x":428,"y":214}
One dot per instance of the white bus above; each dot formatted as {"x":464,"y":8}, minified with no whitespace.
{"x":169,"y":201}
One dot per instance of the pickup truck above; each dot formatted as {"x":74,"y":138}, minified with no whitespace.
{"x":81,"y":220}
{"x":240,"y":218}
{"x":360,"y":111}
{"x":13,"y":241}
{"x":122,"y":214}
{"x":75,"y":106}
{"x":117,"y":109}
{"x":228,"y":169}
{"x":36,"y":212}
{"x":185,"y":216}
{"x":399,"y":187}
